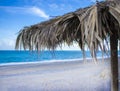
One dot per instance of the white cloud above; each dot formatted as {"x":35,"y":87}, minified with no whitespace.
{"x":60,"y":7}
{"x":7,"y":44}
{"x":66,"y":47}
{"x":55,"y":6}
{"x":26,"y":10}
{"x":38,"y":12}
{"x":96,"y":0}
{"x":93,"y":0}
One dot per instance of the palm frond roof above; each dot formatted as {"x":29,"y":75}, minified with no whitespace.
{"x":89,"y":26}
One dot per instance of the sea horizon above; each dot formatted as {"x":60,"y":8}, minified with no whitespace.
{"x":21,"y":56}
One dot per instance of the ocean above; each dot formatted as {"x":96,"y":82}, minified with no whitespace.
{"x":33,"y":56}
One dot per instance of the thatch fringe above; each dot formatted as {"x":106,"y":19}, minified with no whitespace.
{"x":89,"y":26}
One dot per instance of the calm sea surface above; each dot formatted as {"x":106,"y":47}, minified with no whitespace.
{"x":27,"y":56}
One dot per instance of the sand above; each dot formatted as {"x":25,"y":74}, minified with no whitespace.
{"x":56,"y":76}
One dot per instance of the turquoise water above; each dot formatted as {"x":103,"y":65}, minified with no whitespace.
{"x":27,"y":56}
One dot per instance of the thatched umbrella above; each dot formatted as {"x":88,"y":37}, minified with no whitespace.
{"x":93,"y":26}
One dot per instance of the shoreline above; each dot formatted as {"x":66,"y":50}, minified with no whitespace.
{"x":56,"y":76}
{"x":51,"y":61}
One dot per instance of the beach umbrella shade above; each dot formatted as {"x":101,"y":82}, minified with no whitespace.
{"x":96,"y":26}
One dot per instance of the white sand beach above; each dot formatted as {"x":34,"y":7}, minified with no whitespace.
{"x":56,"y":76}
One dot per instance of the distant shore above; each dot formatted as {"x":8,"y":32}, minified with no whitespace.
{"x":56,"y":76}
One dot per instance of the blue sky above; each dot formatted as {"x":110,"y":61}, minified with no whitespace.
{"x":15,"y":14}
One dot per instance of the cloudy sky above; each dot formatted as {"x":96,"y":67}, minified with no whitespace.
{"x":15,"y":14}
